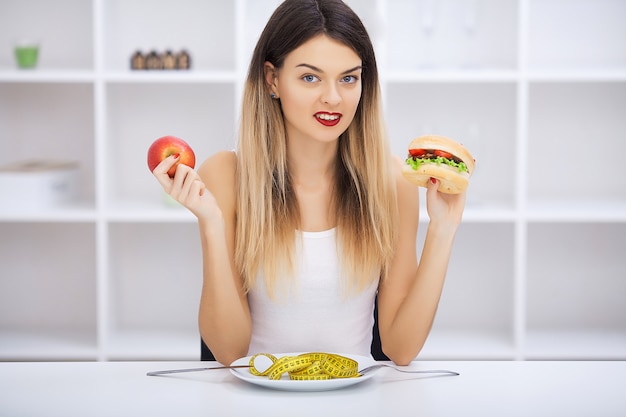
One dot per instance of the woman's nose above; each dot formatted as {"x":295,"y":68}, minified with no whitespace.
{"x":331,"y":95}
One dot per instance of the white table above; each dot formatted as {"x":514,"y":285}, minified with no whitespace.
{"x":508,"y":389}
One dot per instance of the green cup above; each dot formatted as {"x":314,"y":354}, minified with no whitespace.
{"x":26,"y":55}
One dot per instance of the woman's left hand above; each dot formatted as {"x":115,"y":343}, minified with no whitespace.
{"x":444,"y":208}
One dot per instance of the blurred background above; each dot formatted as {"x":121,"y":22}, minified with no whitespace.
{"x":96,"y":264}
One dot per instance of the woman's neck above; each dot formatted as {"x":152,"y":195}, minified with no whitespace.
{"x":312,"y":171}
{"x":312,"y":164}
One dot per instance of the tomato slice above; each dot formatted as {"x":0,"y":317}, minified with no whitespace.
{"x":417,"y":152}
{"x":442,"y":154}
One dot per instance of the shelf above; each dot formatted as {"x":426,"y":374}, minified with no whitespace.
{"x":79,"y":213}
{"x":478,"y":212}
{"x":555,"y":344}
{"x":577,"y":212}
{"x":540,"y":212}
{"x":148,"y":212}
{"x":476,"y":310}
{"x":203,"y":28}
{"x":451,"y":35}
{"x":48,"y":277}
{"x":536,"y":272}
{"x":584,"y":38}
{"x":48,"y":344}
{"x":63,"y":29}
{"x":53,"y":122}
{"x":88,"y":76}
{"x":140,"y":113}
{"x":576,"y":76}
{"x":467,"y":345}
{"x":46,"y":76}
{"x":450,"y":109}
{"x":153,"y":345}
{"x":162,"y":209}
{"x":458,"y":76}
{"x":156,"y":278}
{"x":564,"y":119}
{"x":171,"y":76}
{"x":575,"y":286}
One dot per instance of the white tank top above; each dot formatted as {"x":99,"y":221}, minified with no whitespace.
{"x":315,"y":313}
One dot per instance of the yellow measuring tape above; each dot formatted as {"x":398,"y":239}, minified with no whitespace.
{"x":307,"y":366}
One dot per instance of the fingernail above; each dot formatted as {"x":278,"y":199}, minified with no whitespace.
{"x":176,"y":155}
{"x":433,"y":180}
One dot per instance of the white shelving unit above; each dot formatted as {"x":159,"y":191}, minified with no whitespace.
{"x":535,"y":88}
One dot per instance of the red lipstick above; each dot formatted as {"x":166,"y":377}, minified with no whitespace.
{"x":328,"y":118}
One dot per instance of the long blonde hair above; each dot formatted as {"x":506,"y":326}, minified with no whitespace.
{"x":364,"y":193}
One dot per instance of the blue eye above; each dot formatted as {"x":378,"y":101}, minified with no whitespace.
{"x":349,"y":79}
{"x":310,"y":78}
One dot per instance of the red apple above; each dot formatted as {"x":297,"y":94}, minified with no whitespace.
{"x":170,"y":145}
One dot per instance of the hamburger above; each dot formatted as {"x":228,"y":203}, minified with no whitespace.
{"x":442,"y":158}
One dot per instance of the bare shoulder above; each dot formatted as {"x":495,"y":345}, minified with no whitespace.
{"x":402,"y":183}
{"x":223,"y":162}
{"x":219,"y":175}
{"x":397,"y":163}
{"x":408,"y":193}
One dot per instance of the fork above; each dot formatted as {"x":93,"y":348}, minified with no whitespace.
{"x":361,"y":372}
{"x":408,"y":371}
{"x":178,"y":371}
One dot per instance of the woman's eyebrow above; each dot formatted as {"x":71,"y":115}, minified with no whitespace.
{"x":316,"y":69}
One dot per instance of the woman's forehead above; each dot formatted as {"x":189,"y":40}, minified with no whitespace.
{"x":324,"y":54}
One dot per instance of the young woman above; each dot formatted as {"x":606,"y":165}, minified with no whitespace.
{"x":311,"y":218}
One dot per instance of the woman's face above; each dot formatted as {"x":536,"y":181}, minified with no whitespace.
{"x":319,"y":87}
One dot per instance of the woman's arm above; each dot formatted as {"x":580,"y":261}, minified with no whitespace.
{"x":409,"y":297}
{"x":224,"y":315}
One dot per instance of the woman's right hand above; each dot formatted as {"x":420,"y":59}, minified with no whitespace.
{"x":187,"y":188}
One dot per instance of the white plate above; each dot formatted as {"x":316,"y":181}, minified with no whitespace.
{"x":286,"y":384}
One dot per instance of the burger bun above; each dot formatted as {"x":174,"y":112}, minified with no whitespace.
{"x":451,"y":180}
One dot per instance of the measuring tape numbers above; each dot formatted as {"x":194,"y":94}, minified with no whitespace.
{"x":307,"y":366}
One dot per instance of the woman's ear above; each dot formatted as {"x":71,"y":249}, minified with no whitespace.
{"x":271,"y":75}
